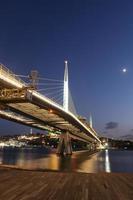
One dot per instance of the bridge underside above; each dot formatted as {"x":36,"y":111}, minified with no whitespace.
{"x":35,"y":115}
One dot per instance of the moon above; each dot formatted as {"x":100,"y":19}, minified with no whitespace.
{"x":124,"y":70}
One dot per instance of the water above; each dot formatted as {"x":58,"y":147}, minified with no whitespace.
{"x":43,"y":159}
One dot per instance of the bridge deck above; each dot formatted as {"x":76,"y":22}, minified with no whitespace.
{"x":38,"y":111}
{"x":31,"y":185}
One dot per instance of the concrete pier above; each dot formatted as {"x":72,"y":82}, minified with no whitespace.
{"x":34,"y":185}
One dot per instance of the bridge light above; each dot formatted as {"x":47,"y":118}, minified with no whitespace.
{"x":51,"y":111}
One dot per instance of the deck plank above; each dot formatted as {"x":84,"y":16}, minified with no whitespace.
{"x":35,"y":185}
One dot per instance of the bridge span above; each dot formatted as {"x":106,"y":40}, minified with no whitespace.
{"x":21,"y":103}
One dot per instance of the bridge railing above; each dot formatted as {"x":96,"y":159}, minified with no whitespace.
{"x":6,"y":72}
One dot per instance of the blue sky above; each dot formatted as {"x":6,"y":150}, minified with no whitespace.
{"x":96,"y":38}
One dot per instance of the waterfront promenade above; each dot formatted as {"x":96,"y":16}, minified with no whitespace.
{"x":35,"y":185}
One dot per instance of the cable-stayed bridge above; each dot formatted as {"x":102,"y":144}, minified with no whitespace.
{"x":24,"y":103}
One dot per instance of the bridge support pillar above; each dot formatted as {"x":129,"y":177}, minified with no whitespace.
{"x":64,"y":146}
{"x":93,"y":147}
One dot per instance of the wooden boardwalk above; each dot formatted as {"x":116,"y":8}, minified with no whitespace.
{"x":32,"y":185}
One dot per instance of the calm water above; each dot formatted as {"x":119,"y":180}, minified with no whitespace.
{"x":42,"y":159}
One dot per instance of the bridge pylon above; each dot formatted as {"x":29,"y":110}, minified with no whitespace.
{"x":90,"y":120}
{"x":64,"y":145}
{"x":66,"y":88}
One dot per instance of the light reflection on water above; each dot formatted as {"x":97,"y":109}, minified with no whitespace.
{"x":107,"y":161}
{"x":42,"y":159}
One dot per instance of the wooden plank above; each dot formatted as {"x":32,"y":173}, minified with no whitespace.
{"x":35,"y":185}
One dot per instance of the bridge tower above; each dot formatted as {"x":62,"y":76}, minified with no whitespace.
{"x":66,"y":88}
{"x":90,"y":121}
{"x":65,"y":140}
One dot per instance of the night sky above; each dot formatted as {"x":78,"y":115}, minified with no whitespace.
{"x":95,"y":36}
